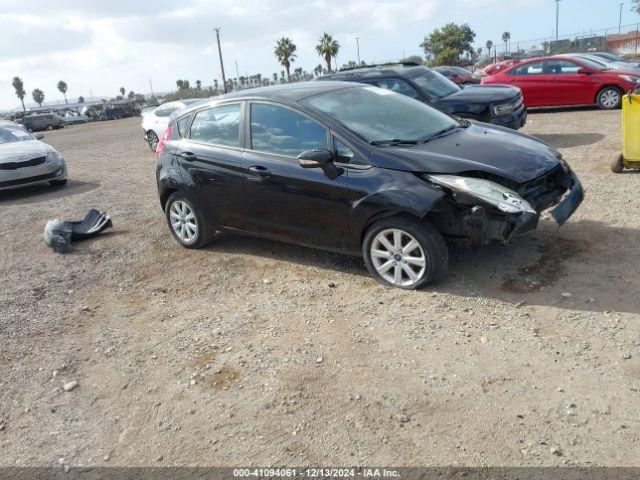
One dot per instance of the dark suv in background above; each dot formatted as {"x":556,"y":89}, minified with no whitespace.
{"x":498,"y":104}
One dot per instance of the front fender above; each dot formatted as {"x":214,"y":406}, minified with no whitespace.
{"x":378,"y":193}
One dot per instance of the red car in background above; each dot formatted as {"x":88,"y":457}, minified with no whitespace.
{"x":562,"y":81}
{"x":458,"y":75}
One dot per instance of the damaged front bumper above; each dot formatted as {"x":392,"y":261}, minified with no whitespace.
{"x":481,"y":224}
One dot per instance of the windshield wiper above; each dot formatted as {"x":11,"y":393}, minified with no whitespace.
{"x":442,"y":133}
{"x":394,"y":141}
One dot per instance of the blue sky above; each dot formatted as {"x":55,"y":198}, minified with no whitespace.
{"x":100,"y":46}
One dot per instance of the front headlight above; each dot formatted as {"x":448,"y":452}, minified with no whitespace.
{"x":490,"y":192}
{"x":631,"y":78}
{"x":504,"y":109}
{"x":54,"y":157}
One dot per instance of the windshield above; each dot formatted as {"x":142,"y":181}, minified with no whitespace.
{"x":610,"y":57}
{"x":11,"y":133}
{"x":379,"y":115}
{"x":434,"y":84}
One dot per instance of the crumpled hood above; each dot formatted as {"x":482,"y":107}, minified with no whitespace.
{"x":24,"y":150}
{"x":482,"y":94}
{"x":480,"y":147}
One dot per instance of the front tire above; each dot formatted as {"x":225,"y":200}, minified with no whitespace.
{"x":186,"y":222}
{"x":617,"y":163}
{"x":405,"y":253}
{"x":609,"y":98}
{"x":58,"y":183}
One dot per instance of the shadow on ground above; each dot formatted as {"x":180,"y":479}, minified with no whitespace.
{"x":569,"y":140}
{"x":535,"y":270}
{"x":45,"y":193}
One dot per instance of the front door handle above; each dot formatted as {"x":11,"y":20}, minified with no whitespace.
{"x":260,"y":171}
{"x":189,"y":156}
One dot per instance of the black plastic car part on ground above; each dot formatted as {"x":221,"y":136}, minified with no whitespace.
{"x":355,"y":169}
{"x":497,"y":104}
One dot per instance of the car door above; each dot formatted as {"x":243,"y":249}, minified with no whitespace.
{"x":535,"y":84}
{"x":283,"y":199}
{"x":211,"y":153}
{"x":570,"y":87}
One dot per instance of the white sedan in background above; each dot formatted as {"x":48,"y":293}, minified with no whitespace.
{"x":155,"y":120}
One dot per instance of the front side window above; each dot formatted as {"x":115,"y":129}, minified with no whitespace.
{"x":378,"y":115}
{"x":342,"y":153}
{"x":560,"y":67}
{"x":397,"y":85}
{"x":217,"y":125}
{"x":535,"y":68}
{"x":280,"y":130}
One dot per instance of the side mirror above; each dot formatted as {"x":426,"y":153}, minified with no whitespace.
{"x":319,"y":158}
{"x":39,"y":136}
{"x":584,"y":71}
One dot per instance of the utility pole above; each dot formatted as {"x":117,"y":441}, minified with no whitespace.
{"x":557,"y":16}
{"x":151,"y":86}
{"x":237,"y":72}
{"x":224,"y":79}
{"x":358,"y":47}
{"x":620,"y":21}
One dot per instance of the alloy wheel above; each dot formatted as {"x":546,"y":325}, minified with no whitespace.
{"x":610,"y":98}
{"x":153,"y":141}
{"x":183,"y":221}
{"x":398,"y":257}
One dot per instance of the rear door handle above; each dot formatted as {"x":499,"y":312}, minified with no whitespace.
{"x":260,"y":171}
{"x":189,"y":156}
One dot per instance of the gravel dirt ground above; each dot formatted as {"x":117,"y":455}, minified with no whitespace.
{"x":252,"y":352}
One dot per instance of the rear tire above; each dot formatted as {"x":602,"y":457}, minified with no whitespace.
{"x":405,"y":253}
{"x":609,"y":98}
{"x":617,"y":163}
{"x":185,"y":221}
{"x":153,"y":140}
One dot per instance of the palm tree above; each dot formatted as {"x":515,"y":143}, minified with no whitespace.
{"x":122,"y":91}
{"x":479,"y":52}
{"x":198,"y":84}
{"x":131,"y":95}
{"x":80,"y":99}
{"x":18,"y":84}
{"x":506,"y":36}
{"x":62,"y":86}
{"x":489,"y":46}
{"x":215,"y":84}
{"x":318,"y":70}
{"x":38,"y":96}
{"x":275,"y":78}
{"x":285,"y":52}
{"x":327,"y":48}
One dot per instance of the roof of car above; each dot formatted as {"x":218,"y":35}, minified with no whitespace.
{"x":375,"y":71}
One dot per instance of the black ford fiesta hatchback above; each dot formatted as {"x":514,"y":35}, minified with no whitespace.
{"x":355,"y":169}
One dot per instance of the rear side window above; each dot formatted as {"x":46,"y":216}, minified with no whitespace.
{"x":535,"y":68}
{"x":560,"y":67}
{"x":165,"y":111}
{"x":285,"y":132}
{"x":397,"y":85}
{"x":217,"y":125}
{"x":183,"y":123}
